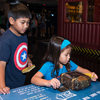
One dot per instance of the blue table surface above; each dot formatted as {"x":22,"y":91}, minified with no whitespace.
{"x":32,"y":92}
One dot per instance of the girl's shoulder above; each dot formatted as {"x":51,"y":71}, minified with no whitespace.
{"x":47,"y":66}
{"x":48,"y":63}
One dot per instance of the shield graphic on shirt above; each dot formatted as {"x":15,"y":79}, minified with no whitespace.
{"x":20,"y":56}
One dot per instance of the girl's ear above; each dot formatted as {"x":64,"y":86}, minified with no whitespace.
{"x":11,"y":20}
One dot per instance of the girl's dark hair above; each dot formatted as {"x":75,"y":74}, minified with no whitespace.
{"x":19,"y":11}
{"x":53,"y":53}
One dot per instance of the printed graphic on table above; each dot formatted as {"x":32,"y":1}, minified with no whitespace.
{"x":32,"y":92}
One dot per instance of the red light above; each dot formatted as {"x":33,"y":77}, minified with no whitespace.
{"x":44,"y":4}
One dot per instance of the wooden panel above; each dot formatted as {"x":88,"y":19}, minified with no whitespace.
{"x":90,"y":34}
{"x":76,"y":32}
{"x":93,"y":30}
{"x":82,"y":33}
{"x":98,"y":35}
{"x":73,"y":35}
{"x":82,"y":39}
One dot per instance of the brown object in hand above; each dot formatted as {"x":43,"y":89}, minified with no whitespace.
{"x":75,"y":80}
{"x":28,"y":69}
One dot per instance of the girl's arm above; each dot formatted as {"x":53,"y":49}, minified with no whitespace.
{"x":83,"y":70}
{"x":3,"y":88}
{"x":38,"y":80}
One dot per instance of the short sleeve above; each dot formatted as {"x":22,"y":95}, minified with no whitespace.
{"x":73,"y":66}
{"x":46,"y":68}
{"x":4,"y":51}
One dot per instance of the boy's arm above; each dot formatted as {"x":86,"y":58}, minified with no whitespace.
{"x":3,"y":88}
{"x":2,"y":74}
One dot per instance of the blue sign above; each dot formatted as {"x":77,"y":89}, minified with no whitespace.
{"x":32,"y":92}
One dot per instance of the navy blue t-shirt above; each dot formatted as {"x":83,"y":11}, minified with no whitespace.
{"x":13,"y":50}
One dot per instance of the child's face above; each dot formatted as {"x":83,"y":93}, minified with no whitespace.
{"x":65,"y":56}
{"x":20,"y":25}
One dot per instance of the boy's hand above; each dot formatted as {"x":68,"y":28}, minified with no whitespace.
{"x":55,"y":83}
{"x":4,"y":90}
{"x":30,"y":64}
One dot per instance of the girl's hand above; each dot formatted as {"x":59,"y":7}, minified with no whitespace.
{"x":94,"y":76}
{"x":4,"y":90}
{"x":55,"y":83}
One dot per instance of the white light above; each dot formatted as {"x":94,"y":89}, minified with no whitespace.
{"x":27,"y":4}
{"x":12,"y":3}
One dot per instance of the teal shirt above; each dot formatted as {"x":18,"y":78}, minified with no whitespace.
{"x":47,"y":68}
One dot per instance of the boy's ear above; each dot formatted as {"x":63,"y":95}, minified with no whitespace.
{"x":11,"y":20}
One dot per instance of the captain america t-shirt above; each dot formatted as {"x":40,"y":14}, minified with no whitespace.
{"x":13,"y":50}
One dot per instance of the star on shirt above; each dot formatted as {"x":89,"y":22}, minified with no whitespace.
{"x":24,"y":56}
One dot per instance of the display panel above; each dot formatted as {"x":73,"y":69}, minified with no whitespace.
{"x":74,"y":11}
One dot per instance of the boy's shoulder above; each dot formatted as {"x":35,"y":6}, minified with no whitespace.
{"x":7,"y":30}
{"x":6,"y":33}
{"x":6,"y":37}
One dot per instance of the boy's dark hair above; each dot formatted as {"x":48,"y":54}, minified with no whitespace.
{"x":53,"y":53}
{"x":19,"y":11}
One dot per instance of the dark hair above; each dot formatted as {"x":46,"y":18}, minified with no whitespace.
{"x":19,"y":10}
{"x":53,"y":53}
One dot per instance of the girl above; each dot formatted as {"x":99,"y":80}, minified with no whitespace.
{"x":57,"y":61}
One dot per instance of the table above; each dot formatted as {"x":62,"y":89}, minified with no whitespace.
{"x":32,"y":92}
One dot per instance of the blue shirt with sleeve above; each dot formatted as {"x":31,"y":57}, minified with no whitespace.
{"x":47,"y":68}
{"x":13,"y":50}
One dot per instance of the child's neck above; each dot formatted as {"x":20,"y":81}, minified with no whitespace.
{"x":16,"y":33}
{"x":60,"y":65}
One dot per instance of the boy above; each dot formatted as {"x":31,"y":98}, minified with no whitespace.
{"x":13,"y":49}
